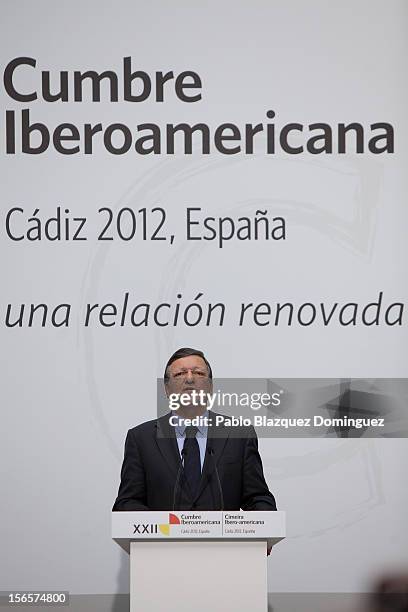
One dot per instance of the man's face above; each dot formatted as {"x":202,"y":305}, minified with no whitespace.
{"x":188,"y":374}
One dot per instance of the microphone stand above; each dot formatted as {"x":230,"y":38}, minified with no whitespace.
{"x":177,"y":483}
{"x":211,"y":453}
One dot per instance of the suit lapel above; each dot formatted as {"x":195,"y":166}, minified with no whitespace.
{"x":167,"y":443}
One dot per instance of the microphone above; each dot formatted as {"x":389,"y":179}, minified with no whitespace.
{"x":179,"y":472}
{"x":212,"y":453}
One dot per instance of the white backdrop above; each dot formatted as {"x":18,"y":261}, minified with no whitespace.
{"x":70,"y":394}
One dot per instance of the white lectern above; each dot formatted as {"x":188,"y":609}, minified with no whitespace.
{"x":185,"y":561}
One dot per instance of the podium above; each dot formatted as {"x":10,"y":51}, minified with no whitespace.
{"x":193,"y":561}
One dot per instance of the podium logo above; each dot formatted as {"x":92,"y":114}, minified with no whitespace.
{"x":165,"y":527}
{"x":152,"y":528}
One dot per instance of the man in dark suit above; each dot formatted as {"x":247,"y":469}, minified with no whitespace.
{"x":169,"y":464}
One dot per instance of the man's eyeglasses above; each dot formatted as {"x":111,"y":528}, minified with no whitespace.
{"x":195,"y":372}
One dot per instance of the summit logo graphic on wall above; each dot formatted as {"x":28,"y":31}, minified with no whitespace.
{"x":153,"y":528}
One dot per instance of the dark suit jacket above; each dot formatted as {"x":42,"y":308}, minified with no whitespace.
{"x":152,"y":460}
